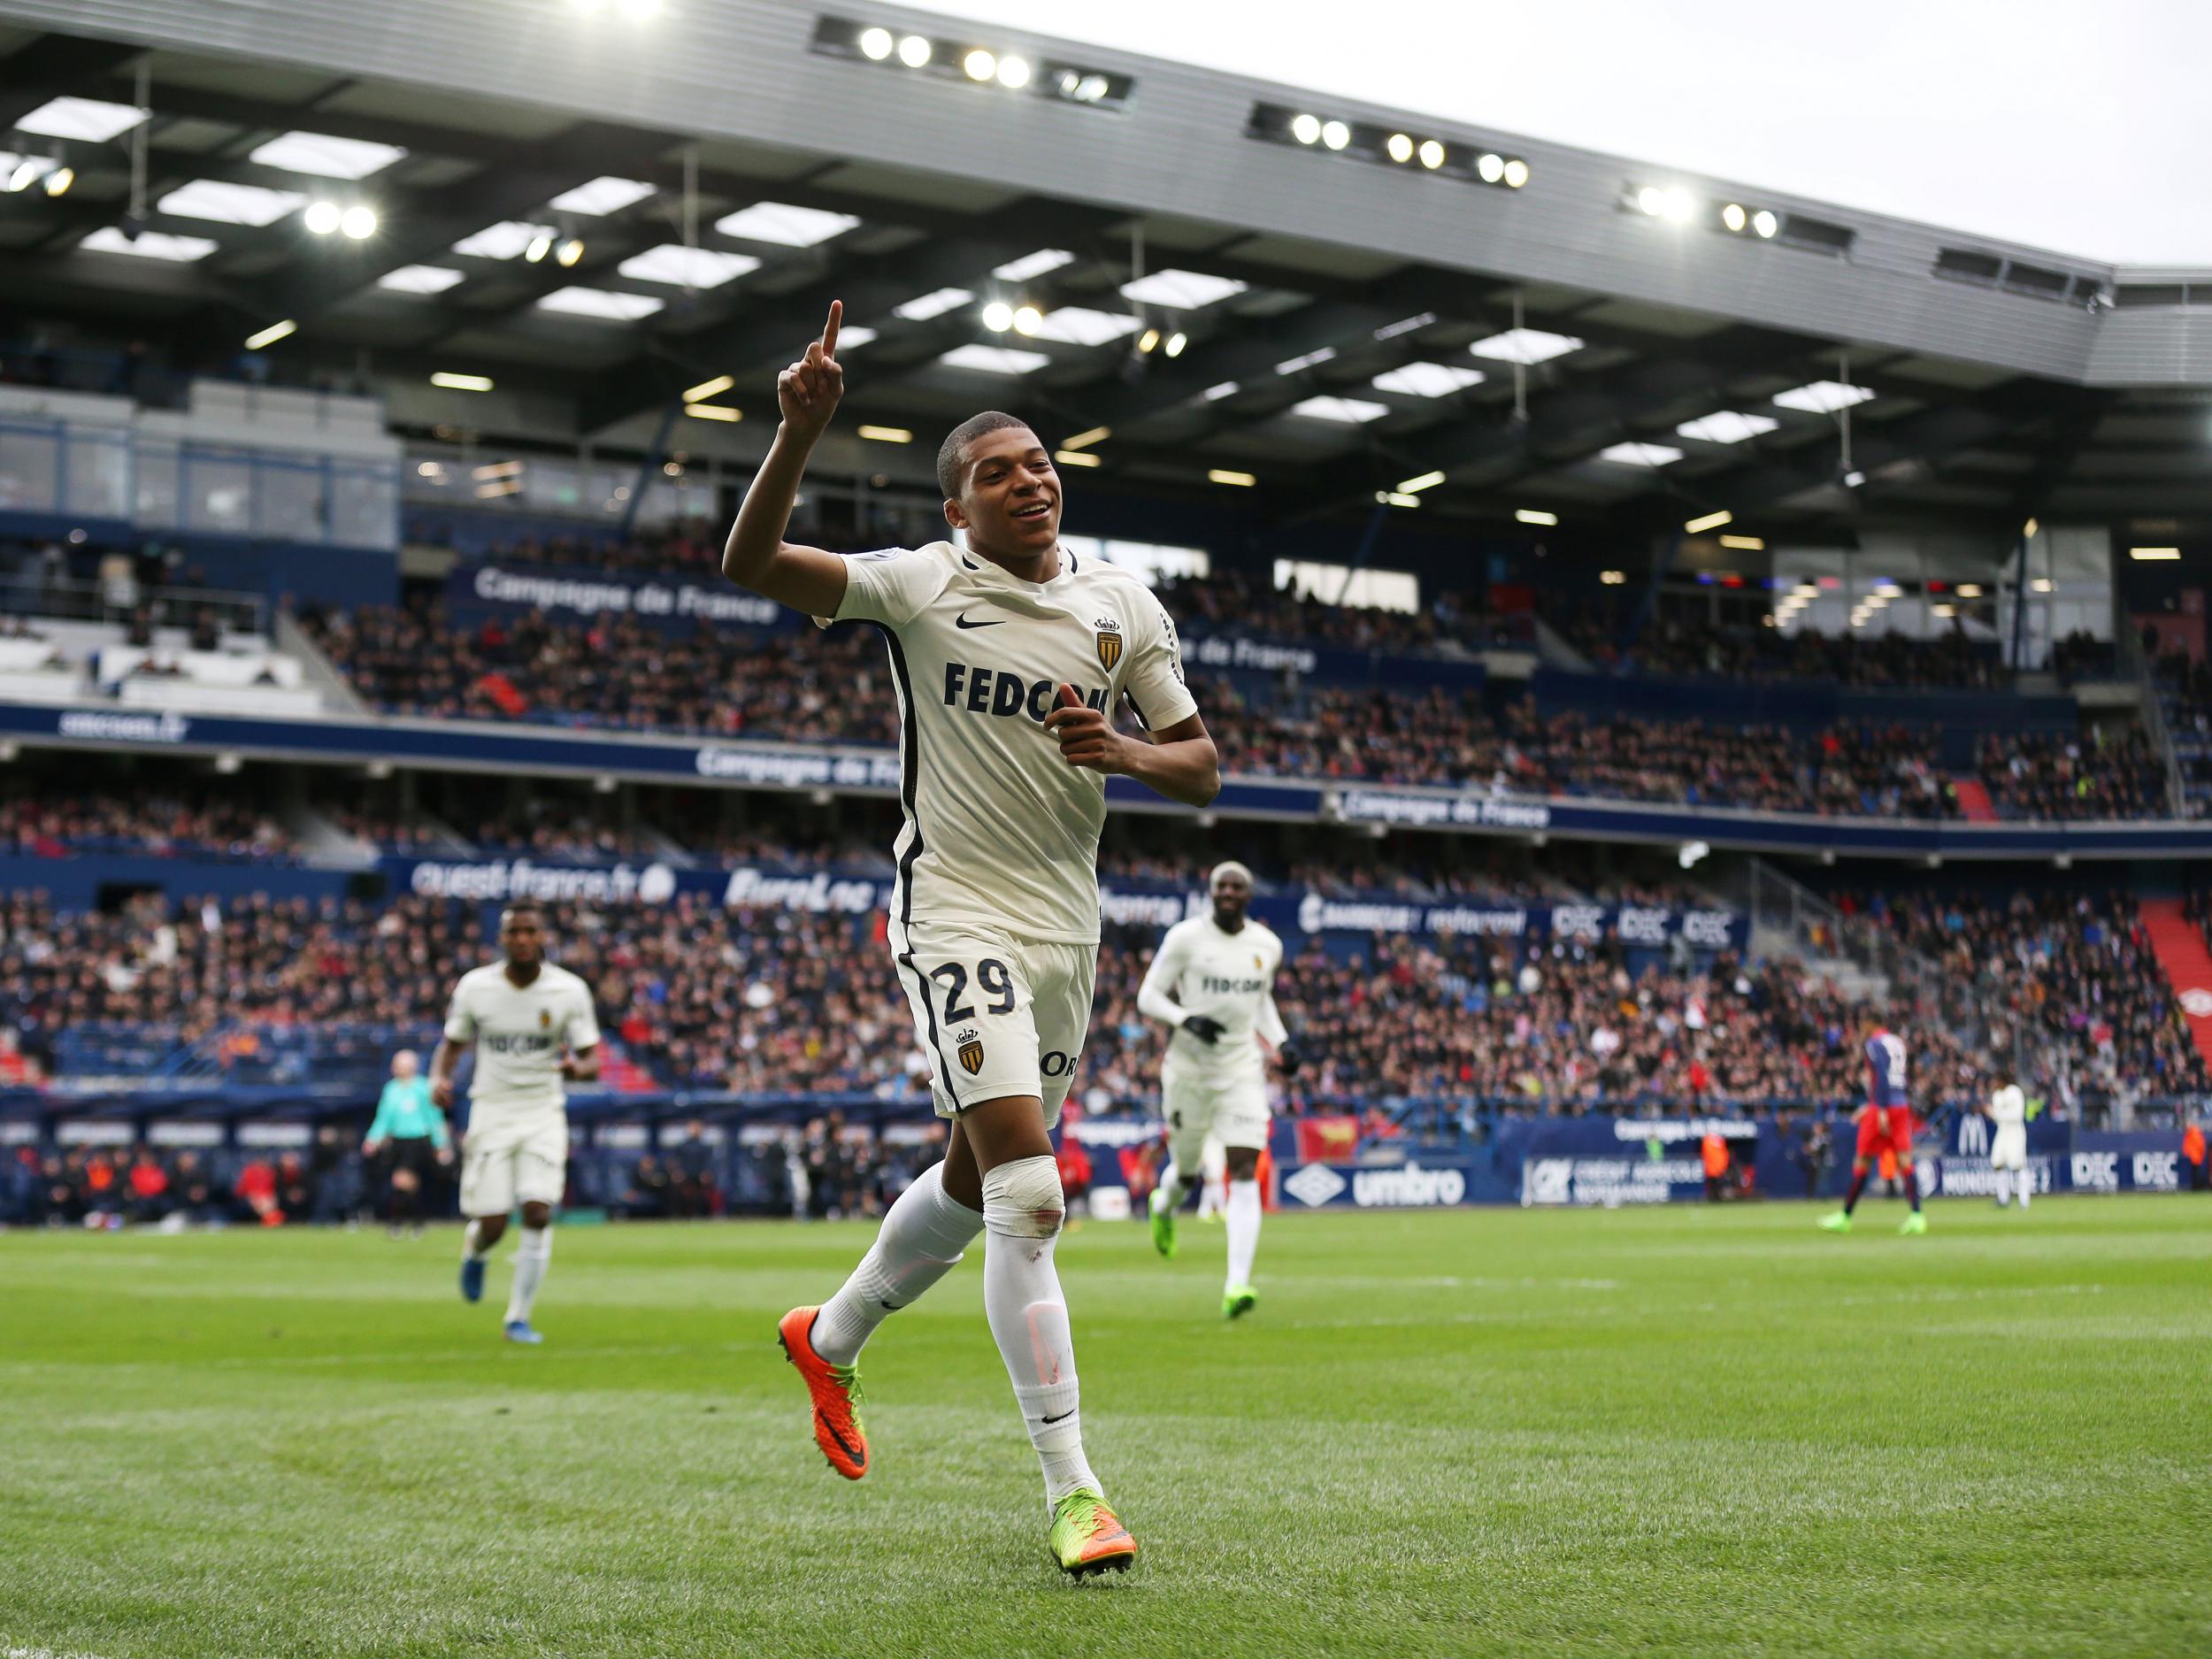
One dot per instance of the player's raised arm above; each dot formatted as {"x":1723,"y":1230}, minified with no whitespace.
{"x":757,"y":555}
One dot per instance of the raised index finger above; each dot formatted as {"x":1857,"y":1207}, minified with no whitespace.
{"x":829,"y":329}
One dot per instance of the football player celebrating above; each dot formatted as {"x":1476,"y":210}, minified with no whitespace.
{"x":1009,"y":654}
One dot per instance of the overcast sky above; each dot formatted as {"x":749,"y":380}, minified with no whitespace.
{"x":2085,"y":130}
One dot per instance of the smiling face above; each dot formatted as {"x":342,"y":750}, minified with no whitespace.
{"x":1232,"y":897}
{"x":1009,"y":501}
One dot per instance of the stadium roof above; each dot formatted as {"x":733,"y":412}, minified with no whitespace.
{"x":614,"y":266}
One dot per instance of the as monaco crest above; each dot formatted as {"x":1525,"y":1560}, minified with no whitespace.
{"x":1109,"y":649}
{"x":970,"y":1052}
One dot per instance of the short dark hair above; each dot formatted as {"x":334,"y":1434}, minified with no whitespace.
{"x":953,"y":453}
{"x":522,"y":907}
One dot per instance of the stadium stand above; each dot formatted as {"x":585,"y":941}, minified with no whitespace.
{"x":765,"y":1003}
{"x":619,"y":674}
{"x":205,"y":822}
{"x":625,"y":674}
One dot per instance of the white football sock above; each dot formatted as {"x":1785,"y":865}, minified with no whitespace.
{"x":531,"y":1256}
{"x":1244,"y":1229}
{"x":1168,"y":1193}
{"x":1022,"y":1207}
{"x":921,"y":1241}
{"x":473,"y":1246}
{"x":2027,"y":1185}
{"x":2004,"y":1189}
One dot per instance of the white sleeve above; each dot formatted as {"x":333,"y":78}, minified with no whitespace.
{"x":583,"y":1023}
{"x":1154,"y":682}
{"x":460,"y":1018}
{"x":890,"y":586}
{"x":1155,"y":997}
{"x":1271,"y":1021}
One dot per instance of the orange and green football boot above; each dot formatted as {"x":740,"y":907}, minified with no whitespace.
{"x":1086,"y":1539}
{"x":836,"y":1393}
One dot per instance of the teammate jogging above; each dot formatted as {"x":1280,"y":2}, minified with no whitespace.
{"x":1885,"y":1125}
{"x":1212,"y":985}
{"x":533,"y":1031}
{"x":2008,"y":1111}
{"x":1009,"y":654}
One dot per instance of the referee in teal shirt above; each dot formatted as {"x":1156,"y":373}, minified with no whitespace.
{"x":417,"y":1132}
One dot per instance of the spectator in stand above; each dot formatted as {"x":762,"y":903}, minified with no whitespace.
{"x":18,"y":1069}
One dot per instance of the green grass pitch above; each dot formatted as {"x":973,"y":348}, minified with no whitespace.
{"x":1665,"y":1431}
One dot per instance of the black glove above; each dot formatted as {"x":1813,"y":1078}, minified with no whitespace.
{"x":1288,"y":1056}
{"x":1205,"y":1027}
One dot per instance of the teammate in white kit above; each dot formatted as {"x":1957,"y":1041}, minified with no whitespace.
{"x":1009,"y":654}
{"x":2008,"y":1111}
{"x":1212,"y":985}
{"x":531,"y":1026}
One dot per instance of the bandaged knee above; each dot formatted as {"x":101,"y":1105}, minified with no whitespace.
{"x":1022,"y":1199}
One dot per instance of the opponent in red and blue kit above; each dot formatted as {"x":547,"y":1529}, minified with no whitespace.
{"x":1885,"y":1124}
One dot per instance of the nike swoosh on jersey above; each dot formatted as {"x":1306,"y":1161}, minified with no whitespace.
{"x":960,"y":621}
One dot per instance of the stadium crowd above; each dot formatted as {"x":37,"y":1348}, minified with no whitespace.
{"x":2091,"y":775}
{"x":775,"y":1003}
{"x":1440,"y":738}
{"x":624,"y":674}
{"x":2186,"y":690}
{"x":1683,"y":648}
{"x":615,"y":672}
{"x":2074,"y":973}
{"x":38,"y":820}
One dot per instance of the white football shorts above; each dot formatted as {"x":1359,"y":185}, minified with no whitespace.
{"x":515,"y":1161}
{"x":2009,"y":1148}
{"x":996,"y":1016}
{"x":1231,"y":1107}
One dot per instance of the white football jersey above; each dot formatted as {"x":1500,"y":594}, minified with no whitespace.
{"x":1000,"y":832}
{"x":1227,"y":977}
{"x":519,"y":1031}
{"x":2008,"y":1106}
